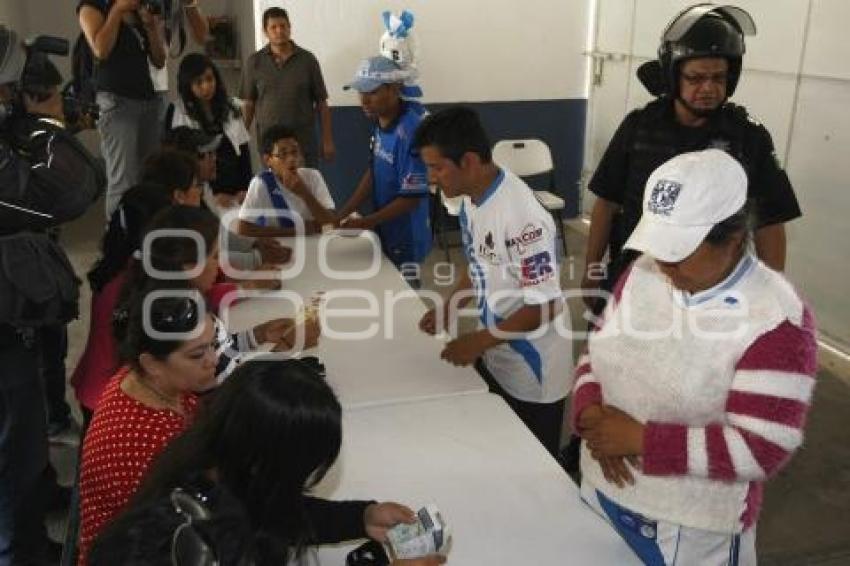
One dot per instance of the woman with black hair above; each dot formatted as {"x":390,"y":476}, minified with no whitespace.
{"x":120,"y":274}
{"x":177,"y":171}
{"x":198,"y":265}
{"x":123,"y":236}
{"x":205,"y":105}
{"x":167,"y":177}
{"x":266,"y":437}
{"x":124,"y":38}
{"x":170,"y":358}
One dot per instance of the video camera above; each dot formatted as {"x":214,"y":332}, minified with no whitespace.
{"x":171,"y":12}
{"x":39,"y":79}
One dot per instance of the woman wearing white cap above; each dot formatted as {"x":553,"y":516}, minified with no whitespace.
{"x":696,"y":384}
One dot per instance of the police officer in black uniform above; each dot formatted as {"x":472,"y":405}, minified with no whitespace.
{"x":46,"y":179}
{"x":697,"y":70}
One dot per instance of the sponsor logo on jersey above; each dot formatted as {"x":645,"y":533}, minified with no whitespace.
{"x":489,"y":255}
{"x":487,"y":250}
{"x":414,"y":182}
{"x":529,"y":235}
{"x":383,"y":154}
{"x":536,"y":269}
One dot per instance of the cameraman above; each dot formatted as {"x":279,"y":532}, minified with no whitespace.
{"x":124,"y":35}
{"x":46,"y":179}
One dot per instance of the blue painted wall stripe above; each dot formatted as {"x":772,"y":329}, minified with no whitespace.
{"x":560,"y":123}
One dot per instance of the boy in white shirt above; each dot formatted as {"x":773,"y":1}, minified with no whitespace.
{"x":509,"y":242}
{"x":287,"y":188}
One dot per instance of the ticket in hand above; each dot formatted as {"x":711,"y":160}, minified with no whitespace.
{"x":428,"y":535}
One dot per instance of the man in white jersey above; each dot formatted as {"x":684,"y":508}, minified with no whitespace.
{"x":509,"y":242}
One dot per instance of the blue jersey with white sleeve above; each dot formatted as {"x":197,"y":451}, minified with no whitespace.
{"x":398,"y":172}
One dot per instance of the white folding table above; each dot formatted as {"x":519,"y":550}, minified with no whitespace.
{"x":394,"y":362}
{"x":505,"y":499}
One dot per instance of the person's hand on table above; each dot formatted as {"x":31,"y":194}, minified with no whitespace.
{"x":356,"y":223}
{"x":286,"y":335}
{"x":273,"y":331}
{"x":378,"y":518}
{"x":301,"y":336}
{"x":271,"y":284}
{"x":464,"y":350}
{"x":272,"y":251}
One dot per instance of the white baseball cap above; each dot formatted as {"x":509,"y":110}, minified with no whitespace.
{"x":683,"y":200}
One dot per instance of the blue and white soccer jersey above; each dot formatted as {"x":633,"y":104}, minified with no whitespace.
{"x":399,"y":172}
{"x":262,"y":197}
{"x":509,"y":241}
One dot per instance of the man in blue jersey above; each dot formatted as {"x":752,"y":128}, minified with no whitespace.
{"x":396,"y":178}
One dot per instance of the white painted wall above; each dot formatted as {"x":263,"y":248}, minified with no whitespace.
{"x":11,"y":13}
{"x":471,"y":51}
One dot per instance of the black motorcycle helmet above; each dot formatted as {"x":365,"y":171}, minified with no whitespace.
{"x":703,"y":30}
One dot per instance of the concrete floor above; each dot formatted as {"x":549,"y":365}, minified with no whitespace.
{"x":806,"y":514}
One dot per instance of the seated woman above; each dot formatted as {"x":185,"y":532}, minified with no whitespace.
{"x":242,"y":252}
{"x":696,"y":384}
{"x":266,"y":437}
{"x":204,"y":104}
{"x":118,"y":272}
{"x":173,"y":254}
{"x":123,"y":236}
{"x":146,"y":404}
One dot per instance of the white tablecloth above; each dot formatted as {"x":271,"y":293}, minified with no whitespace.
{"x":505,"y":499}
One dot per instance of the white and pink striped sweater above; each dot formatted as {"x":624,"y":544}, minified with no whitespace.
{"x":722,"y":381}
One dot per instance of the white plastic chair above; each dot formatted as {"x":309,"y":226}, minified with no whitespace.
{"x":527,"y":158}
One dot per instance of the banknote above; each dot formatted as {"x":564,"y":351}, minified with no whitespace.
{"x":428,"y":535}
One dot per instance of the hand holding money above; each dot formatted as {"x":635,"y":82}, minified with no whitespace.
{"x":380,"y":517}
{"x":426,"y":536}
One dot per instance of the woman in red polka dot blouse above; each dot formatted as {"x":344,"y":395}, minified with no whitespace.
{"x":145,"y":405}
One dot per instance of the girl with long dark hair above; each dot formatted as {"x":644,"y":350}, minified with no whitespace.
{"x":267,"y":436}
{"x":204,"y":104}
